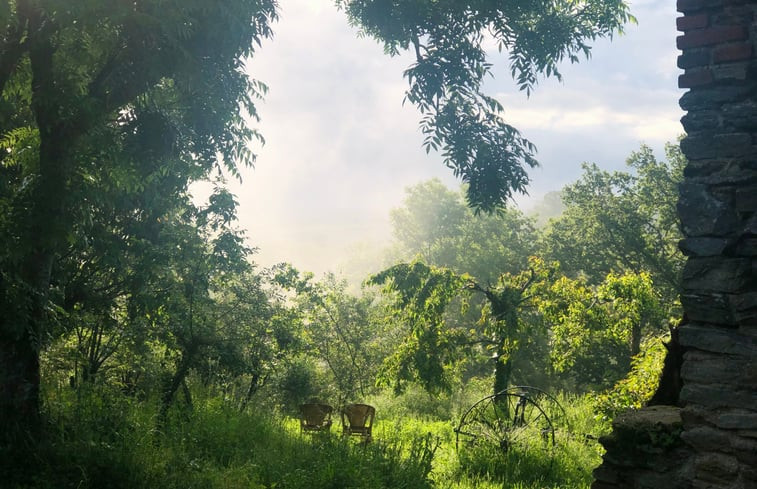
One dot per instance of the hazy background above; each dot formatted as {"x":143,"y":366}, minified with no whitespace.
{"x":341,"y":148}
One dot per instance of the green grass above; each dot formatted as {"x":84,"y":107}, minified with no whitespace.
{"x":101,"y":439}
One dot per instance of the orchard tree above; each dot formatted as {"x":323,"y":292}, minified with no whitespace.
{"x":436,"y":341}
{"x":339,"y":330}
{"x":597,"y":330}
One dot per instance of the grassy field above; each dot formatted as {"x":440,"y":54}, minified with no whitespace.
{"x":114,"y":444}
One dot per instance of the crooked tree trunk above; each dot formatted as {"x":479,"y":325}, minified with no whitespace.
{"x":171,"y":386}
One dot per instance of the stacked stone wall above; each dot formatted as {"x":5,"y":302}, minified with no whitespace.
{"x":718,"y":214}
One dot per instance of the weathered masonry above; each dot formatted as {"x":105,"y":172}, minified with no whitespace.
{"x":711,"y":440}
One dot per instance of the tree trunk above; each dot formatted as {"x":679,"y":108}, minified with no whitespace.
{"x":635,"y":339}
{"x":171,"y":386}
{"x":502,"y":369}
{"x":44,"y":229}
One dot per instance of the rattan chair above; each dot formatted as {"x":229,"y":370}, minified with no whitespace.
{"x":315,"y":417}
{"x":357,"y":419}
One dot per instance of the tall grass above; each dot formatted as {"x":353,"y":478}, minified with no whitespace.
{"x":99,"y":438}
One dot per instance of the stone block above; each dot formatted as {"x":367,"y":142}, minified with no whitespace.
{"x":701,"y":120}
{"x":708,"y":308}
{"x":605,"y":474}
{"x":745,"y":199}
{"x":716,"y":467}
{"x":707,"y":368}
{"x":732,"y":52}
{"x":718,"y":396}
{"x":694,"y":416}
{"x":702,"y":214}
{"x":713,"y":97}
{"x":738,"y":419}
{"x":739,"y":116}
{"x":709,"y":145}
{"x":689,"y":22}
{"x":696,"y":78}
{"x":731,"y":71}
{"x":704,"y":246}
{"x":718,"y":340}
{"x":694,"y":58}
{"x":744,"y":307}
{"x":717,"y":274}
{"x":705,"y":438}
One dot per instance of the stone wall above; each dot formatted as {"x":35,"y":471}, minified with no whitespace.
{"x":718,"y":212}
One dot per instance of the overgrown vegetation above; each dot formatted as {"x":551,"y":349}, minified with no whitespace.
{"x":141,"y":346}
{"x":98,"y":437}
{"x":196,"y":380}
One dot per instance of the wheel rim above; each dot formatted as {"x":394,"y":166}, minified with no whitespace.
{"x":508,"y":419}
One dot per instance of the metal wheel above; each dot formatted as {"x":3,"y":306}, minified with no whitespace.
{"x":518,"y":417}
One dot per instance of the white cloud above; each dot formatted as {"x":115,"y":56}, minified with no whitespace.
{"x":341,"y":148}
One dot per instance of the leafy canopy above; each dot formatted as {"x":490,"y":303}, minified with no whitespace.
{"x":448,"y":39}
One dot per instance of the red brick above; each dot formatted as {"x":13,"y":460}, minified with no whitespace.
{"x":690,"y":22}
{"x":712,"y":35}
{"x":695,"y":79}
{"x":732,"y":52}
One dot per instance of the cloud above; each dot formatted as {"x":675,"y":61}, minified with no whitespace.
{"x":341,"y":148}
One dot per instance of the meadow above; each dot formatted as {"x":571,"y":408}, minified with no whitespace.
{"x":99,"y":438}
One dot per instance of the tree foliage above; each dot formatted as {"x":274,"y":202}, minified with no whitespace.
{"x":108,"y":112}
{"x":618,"y":221}
{"x":447,"y":38}
{"x":435,"y":226}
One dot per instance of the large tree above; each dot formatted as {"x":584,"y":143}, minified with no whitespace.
{"x":622,"y":221}
{"x":435,"y":226}
{"x":114,"y":93}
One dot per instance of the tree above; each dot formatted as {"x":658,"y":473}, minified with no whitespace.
{"x":114,"y":94}
{"x":436,"y":227}
{"x":435,"y":340}
{"x":597,"y":330}
{"x":339,"y":330}
{"x":621,"y":221}
{"x":447,"y":38}
{"x":95,"y":92}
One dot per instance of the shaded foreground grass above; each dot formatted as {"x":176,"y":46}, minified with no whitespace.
{"x":95,"y":444}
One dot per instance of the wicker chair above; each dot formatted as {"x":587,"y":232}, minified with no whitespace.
{"x":315,"y":417}
{"x":357,"y":419}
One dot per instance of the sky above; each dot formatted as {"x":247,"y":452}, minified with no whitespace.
{"x":341,"y":148}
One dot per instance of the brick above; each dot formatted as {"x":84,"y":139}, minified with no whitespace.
{"x":692,"y":59}
{"x":715,"y":96}
{"x":731,"y":71}
{"x":695,"y":79}
{"x":690,"y":22}
{"x":717,"y":145}
{"x":708,"y":307}
{"x":690,"y":5}
{"x":731,"y":348}
{"x":701,"y":120}
{"x":712,"y":35}
{"x":732,"y":52}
